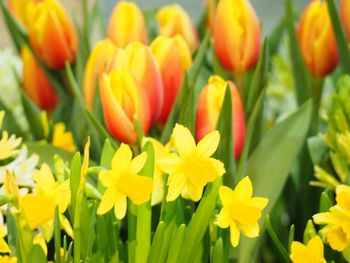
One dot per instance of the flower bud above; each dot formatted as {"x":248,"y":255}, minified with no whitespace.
{"x":236,"y":35}
{"x":316,"y":39}
{"x":139,"y":59}
{"x":123,"y":100}
{"x":173,"y":20}
{"x":18,"y":8}
{"x":35,"y":83}
{"x":51,"y":33}
{"x":174,"y":58}
{"x":127,"y":24}
{"x":209,"y":107}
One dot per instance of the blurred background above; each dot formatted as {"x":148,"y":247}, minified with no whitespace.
{"x":269,"y":11}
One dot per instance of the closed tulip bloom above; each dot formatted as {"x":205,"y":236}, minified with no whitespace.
{"x":127,"y":24}
{"x":123,"y":100}
{"x":97,"y":64}
{"x":344,"y":11}
{"x":209,"y":107}
{"x":35,"y":83}
{"x":18,"y":8}
{"x":174,"y":58}
{"x":236,"y":35}
{"x":51,"y":33}
{"x":173,"y":20}
{"x":139,"y":59}
{"x":316,"y":39}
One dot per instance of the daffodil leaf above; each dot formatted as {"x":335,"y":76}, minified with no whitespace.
{"x":325,"y":202}
{"x":157,"y":243}
{"x":317,"y":149}
{"x":9,"y":123}
{"x":343,"y":48}
{"x":188,"y":111}
{"x":175,"y":246}
{"x":309,"y":231}
{"x":74,"y":179}
{"x":270,"y":163}
{"x":291,"y":236}
{"x":276,"y":35}
{"x":218,"y":253}
{"x":57,"y":236}
{"x":168,"y":236}
{"x":36,"y":255}
{"x":301,"y":77}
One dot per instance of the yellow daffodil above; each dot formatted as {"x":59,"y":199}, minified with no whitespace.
{"x":240,"y":211}
{"x":337,"y":230}
{"x":123,"y":181}
{"x":311,"y":253}
{"x":7,"y":259}
{"x":8,"y":146}
{"x":4,"y":248}
{"x":39,"y":206}
{"x":191,"y":168}
{"x":63,"y":139}
{"x":40,"y":240}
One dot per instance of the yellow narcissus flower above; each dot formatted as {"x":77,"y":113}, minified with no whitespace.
{"x":311,"y":253}
{"x":123,"y":181}
{"x":7,"y":259}
{"x":8,"y":146}
{"x":240,"y":211}
{"x":63,"y":139}
{"x":191,"y":168}
{"x":337,"y":230}
{"x":4,"y":247}
{"x":39,"y":207}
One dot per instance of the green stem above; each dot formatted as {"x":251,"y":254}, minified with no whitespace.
{"x":317,"y":89}
{"x":240,"y":83}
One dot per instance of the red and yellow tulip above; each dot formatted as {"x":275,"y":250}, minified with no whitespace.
{"x":316,"y":39}
{"x":97,"y":64}
{"x":123,"y":100}
{"x":127,"y":24}
{"x":139,"y":59}
{"x":236,"y":35}
{"x":35,"y":82}
{"x":344,"y":10}
{"x":51,"y":33}
{"x":208,"y":110}
{"x":173,"y":20}
{"x":174,"y":58}
{"x":18,"y":9}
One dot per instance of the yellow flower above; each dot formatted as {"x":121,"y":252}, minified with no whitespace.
{"x":123,"y":181}
{"x":311,"y":253}
{"x":240,"y":211}
{"x":7,"y":259}
{"x":39,"y":207}
{"x":63,"y":139}
{"x":4,"y":248}
{"x":192,"y":168}
{"x":337,"y":230}
{"x":8,"y":146}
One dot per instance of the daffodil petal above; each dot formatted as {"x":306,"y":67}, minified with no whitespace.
{"x":122,"y":158}
{"x":120,"y":206}
{"x":208,"y":145}
{"x":250,"y":230}
{"x":138,"y":163}
{"x":193,"y":192}
{"x":244,"y":189}
{"x":315,"y":244}
{"x":234,"y":235}
{"x":107,"y":201}
{"x":259,"y":202}
{"x":169,"y":164}
{"x":107,"y":178}
{"x":177,"y":182}
{"x":224,"y":218}
{"x":137,"y":188}
{"x":226,"y":196}
{"x":183,"y":140}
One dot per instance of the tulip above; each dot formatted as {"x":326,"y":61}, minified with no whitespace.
{"x":316,"y":39}
{"x":51,"y":33}
{"x":174,"y":58}
{"x":344,"y":10}
{"x":139,"y":59}
{"x":127,"y":24}
{"x":18,"y":8}
{"x":173,"y":20}
{"x":123,"y":100}
{"x":208,"y":110}
{"x":35,"y":82}
{"x":96,"y":65}
{"x":236,"y":35}
{"x":210,"y":6}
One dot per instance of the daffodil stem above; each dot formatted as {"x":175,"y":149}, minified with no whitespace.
{"x":164,"y":203}
{"x":317,"y":89}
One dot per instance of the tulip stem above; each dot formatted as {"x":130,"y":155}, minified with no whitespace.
{"x":240,"y":84}
{"x":317,"y":89}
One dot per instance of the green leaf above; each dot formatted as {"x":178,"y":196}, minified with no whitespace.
{"x":301,"y":77}
{"x":291,"y":236}
{"x":270,"y":163}
{"x":317,"y":149}
{"x":157,"y":243}
{"x":343,"y":49}
{"x":276,"y":36}
{"x":218,"y":253}
{"x":325,"y":202}
{"x":57,"y":236}
{"x":36,"y":255}
{"x":225,"y":149}
{"x":9,"y":123}
{"x":309,"y":231}
{"x":75,"y":167}
{"x":187,"y":115}
{"x":175,"y":246}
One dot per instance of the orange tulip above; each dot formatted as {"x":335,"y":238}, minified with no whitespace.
{"x":139,"y":59}
{"x":35,"y":83}
{"x":18,"y":8}
{"x":173,"y":20}
{"x":208,"y":110}
{"x":210,"y":7}
{"x":122,"y":100}
{"x":97,"y":64}
{"x":236,"y":35}
{"x":51,"y":33}
{"x":344,"y":11}
{"x":127,"y":24}
{"x":174,"y":58}
{"x":316,"y":39}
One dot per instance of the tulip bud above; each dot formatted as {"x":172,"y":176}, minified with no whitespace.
{"x":209,"y":107}
{"x":236,"y":35}
{"x":173,"y":20}
{"x":18,"y":8}
{"x":344,"y":10}
{"x":123,"y":100}
{"x":174,"y":58}
{"x":96,"y":65}
{"x":316,"y":39}
{"x":210,"y":6}
{"x":127,"y":24}
{"x":51,"y":33}
{"x":35,"y":82}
